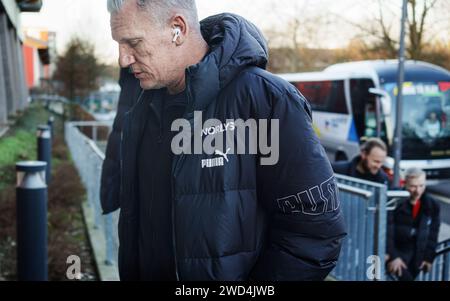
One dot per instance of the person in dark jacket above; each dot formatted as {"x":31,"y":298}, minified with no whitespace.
{"x":220,"y":215}
{"x":413,"y":230}
{"x":368,"y":165}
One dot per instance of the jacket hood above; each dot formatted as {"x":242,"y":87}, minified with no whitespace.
{"x":235,"y":44}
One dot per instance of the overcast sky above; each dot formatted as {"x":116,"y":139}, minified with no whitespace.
{"x":90,"y":19}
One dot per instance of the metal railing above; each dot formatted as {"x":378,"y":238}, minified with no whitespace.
{"x":88,"y":159}
{"x":440,"y":270}
{"x":363,"y":205}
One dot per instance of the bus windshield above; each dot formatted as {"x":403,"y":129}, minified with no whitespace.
{"x":426,"y":119}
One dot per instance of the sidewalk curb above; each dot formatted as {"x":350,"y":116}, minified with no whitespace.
{"x":97,"y":240}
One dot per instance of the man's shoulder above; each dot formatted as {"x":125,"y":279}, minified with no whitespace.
{"x":342,"y":167}
{"x":383,"y":176}
{"x":432,"y":201}
{"x":264,"y":79}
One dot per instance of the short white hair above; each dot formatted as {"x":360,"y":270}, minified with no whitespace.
{"x":414,"y":173}
{"x":162,"y":10}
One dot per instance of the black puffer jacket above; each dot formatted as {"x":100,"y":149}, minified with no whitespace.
{"x":242,"y":220}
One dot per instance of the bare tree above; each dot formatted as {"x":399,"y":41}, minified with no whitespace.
{"x":383,"y":28}
{"x":297,"y":36}
{"x":416,"y":24}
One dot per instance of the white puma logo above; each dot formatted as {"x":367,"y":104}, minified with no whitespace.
{"x":219,"y":153}
{"x":216,"y":162}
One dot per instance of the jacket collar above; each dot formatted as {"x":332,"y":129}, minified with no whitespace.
{"x":425,"y":203}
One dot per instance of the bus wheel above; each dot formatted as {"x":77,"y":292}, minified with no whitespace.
{"x":340,"y":156}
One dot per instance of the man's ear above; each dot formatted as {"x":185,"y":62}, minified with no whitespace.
{"x":363,"y":155}
{"x":180,"y":29}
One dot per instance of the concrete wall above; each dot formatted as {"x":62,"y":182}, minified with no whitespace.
{"x":3,"y":100}
{"x":5,"y":75}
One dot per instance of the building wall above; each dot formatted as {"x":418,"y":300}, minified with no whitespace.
{"x":36,"y":72}
{"x":23,"y":89}
{"x":13,"y":89}
{"x":3,"y":101}
{"x":5,"y":56}
{"x":29,"y":56}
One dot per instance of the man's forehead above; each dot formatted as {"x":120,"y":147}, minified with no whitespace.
{"x":124,"y":26}
{"x":417,"y":180}
{"x":377,"y":151}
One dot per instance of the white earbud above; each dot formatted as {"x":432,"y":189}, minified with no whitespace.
{"x":176,"y":34}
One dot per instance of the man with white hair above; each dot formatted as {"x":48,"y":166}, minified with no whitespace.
{"x":413,"y":230}
{"x":217,"y":215}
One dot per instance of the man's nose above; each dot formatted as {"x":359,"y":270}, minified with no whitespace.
{"x":126,"y":60}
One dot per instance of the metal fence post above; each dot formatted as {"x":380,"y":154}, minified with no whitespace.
{"x":94,"y":133}
{"x":45,"y":149}
{"x":381,"y":229}
{"x":31,"y":197}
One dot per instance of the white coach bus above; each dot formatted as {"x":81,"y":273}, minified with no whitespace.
{"x":358,"y":99}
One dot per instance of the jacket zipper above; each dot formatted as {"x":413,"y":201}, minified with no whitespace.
{"x":174,"y":173}
{"x":161,"y":123}
{"x":125,"y":124}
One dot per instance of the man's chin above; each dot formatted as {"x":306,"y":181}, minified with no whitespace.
{"x":146,"y":85}
{"x":374,"y":172}
{"x":415,"y":197}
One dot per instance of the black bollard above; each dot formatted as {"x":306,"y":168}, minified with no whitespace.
{"x":44,"y":142}
{"x":50,"y":122}
{"x":31,"y":198}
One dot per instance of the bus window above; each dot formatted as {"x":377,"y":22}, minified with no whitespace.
{"x":361,"y":99}
{"x":324,"y":96}
{"x":425,"y":133}
{"x":370,"y":120}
